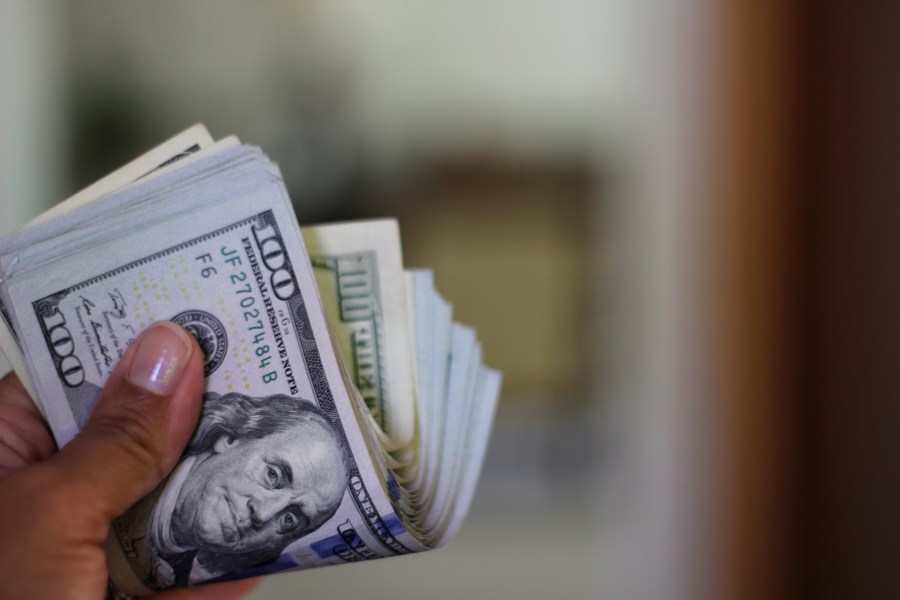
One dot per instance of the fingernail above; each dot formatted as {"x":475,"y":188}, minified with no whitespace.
{"x":162,"y":352}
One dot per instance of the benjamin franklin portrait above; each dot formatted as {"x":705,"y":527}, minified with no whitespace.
{"x":258,"y":474}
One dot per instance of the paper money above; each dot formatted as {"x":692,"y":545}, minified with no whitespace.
{"x":359,"y":272}
{"x":188,"y":142}
{"x":368,"y":389}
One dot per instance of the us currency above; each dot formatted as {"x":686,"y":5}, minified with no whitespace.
{"x":474,"y":450}
{"x":397,"y":391}
{"x":456,"y":412}
{"x":433,"y":318}
{"x":381,"y":264}
{"x":186,"y":143}
{"x":359,"y":273}
{"x":243,"y":284}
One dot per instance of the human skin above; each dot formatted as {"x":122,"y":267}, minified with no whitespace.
{"x":56,"y":507}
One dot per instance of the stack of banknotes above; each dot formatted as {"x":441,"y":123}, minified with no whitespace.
{"x":346,"y":416}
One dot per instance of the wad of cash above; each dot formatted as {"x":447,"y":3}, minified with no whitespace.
{"x":331,"y":370}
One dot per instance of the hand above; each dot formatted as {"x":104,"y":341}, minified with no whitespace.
{"x":56,"y":507}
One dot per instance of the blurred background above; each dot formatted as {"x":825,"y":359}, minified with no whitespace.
{"x":671,"y":222}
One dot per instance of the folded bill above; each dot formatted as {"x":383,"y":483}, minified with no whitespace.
{"x":325,"y":362}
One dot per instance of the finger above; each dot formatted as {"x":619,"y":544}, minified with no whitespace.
{"x":24,"y":438}
{"x":13,"y":393}
{"x":141,"y":424}
{"x":233,"y":590}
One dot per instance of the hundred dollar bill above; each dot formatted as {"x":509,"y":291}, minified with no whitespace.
{"x":342,"y":402}
{"x":179,"y":147}
{"x":359,"y":273}
{"x":275,"y":412}
{"x":433,"y":318}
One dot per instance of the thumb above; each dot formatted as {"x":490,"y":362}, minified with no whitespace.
{"x":140,"y":425}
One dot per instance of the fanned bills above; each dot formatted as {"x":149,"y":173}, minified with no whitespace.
{"x":325,"y":361}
